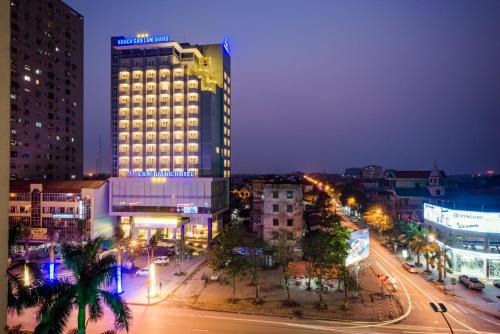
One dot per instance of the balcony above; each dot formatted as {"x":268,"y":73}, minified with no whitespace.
{"x":195,"y":165}
{"x":179,"y":166}
{"x":137,"y":105}
{"x":137,"y":116}
{"x":163,"y":128}
{"x":178,"y":141}
{"x":136,"y":141}
{"x":193,"y":111}
{"x":178,"y":90}
{"x":193,"y":90}
{"x":151,"y":128}
{"x":123,"y":104}
{"x":179,"y":103}
{"x":122,"y":141}
{"x":193,"y":128}
{"x":151,"y":141}
{"x":153,"y":79}
{"x":192,"y":103}
{"x":123,"y":117}
{"x":179,"y":127}
{"x":192,"y":140}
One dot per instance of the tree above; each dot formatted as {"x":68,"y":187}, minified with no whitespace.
{"x":325,"y":250}
{"x":92,"y":273}
{"x":121,"y":243}
{"x":153,"y":243}
{"x":224,"y":257}
{"x":282,"y":244}
{"x":378,"y":217}
{"x":418,"y":242}
{"x":253,"y":261}
{"x":428,"y":251}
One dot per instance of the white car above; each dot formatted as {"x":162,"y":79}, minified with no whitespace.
{"x":161,"y":260}
{"x":142,"y":272}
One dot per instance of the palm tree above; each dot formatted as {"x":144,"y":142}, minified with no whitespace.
{"x":418,"y":242}
{"x":120,"y":243}
{"x":153,"y":243}
{"x":428,"y":251}
{"x":92,"y":273}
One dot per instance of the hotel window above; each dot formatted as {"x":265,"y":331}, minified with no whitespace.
{"x":289,"y":222}
{"x":276,"y":208}
{"x":289,"y":194}
{"x":276,"y":222}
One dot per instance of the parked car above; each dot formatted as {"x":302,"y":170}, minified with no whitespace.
{"x":497,"y":283}
{"x":142,"y":272}
{"x":161,"y":260}
{"x":410,"y":267}
{"x":471,"y":282}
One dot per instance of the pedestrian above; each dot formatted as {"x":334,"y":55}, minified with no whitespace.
{"x":161,"y":284}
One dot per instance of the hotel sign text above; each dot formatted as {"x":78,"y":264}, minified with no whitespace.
{"x":162,"y":174}
{"x":142,"y":40}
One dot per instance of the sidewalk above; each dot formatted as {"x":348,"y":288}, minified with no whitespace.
{"x":135,"y":287}
{"x":214,"y":296}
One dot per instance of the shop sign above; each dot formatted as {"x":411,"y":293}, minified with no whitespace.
{"x":38,"y":233}
{"x":473,"y":221}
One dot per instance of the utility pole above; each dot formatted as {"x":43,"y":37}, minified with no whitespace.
{"x":442,"y":309}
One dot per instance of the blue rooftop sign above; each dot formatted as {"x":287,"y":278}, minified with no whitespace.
{"x":123,"y":41}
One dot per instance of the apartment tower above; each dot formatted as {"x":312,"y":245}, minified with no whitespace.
{"x":46,"y":94}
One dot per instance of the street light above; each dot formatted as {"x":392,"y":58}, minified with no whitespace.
{"x":442,"y":309}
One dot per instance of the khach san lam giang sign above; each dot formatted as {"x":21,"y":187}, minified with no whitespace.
{"x":161,"y":174}
{"x":142,"y":40}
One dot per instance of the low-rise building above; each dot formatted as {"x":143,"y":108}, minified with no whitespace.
{"x":277,"y":205}
{"x":372,"y":172}
{"x":468,"y":228}
{"x":67,"y":210}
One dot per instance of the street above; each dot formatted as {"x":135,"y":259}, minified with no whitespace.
{"x":414,"y":292}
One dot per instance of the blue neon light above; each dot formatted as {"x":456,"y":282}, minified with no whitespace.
{"x":162,"y":174}
{"x":119,"y":279}
{"x":142,"y":40}
{"x":51,"y":270}
{"x":63,"y":215}
{"x":225,"y":44}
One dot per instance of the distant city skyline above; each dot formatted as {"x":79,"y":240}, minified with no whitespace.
{"x":327,"y":85}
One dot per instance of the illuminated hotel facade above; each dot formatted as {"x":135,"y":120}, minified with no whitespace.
{"x":171,"y":135}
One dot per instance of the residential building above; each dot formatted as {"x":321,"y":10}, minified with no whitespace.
{"x":372,"y":172}
{"x":46,"y":95}
{"x":4,"y":151}
{"x":354,"y":172}
{"x":68,"y":209}
{"x":171,"y":136}
{"x":408,"y":190}
{"x":278,"y":205}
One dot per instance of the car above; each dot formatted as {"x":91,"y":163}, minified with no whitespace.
{"x":471,"y":282}
{"x":497,"y":283}
{"x":161,"y":260}
{"x":410,"y":267}
{"x":142,"y":272}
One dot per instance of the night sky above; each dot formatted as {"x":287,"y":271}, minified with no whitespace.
{"x":326,"y":85}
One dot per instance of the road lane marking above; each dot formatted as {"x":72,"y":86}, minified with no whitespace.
{"x":425,"y":294}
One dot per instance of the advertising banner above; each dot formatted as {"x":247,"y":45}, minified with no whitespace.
{"x":360,"y":246}
{"x":472,"y":221}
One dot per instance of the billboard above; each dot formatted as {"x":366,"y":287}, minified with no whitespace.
{"x":38,"y":233}
{"x":471,"y":221}
{"x":360,"y":246}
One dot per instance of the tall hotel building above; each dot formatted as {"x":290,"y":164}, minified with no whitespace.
{"x":46,"y":90}
{"x":171,"y":136}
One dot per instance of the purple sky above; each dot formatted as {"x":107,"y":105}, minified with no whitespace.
{"x":325,"y":85}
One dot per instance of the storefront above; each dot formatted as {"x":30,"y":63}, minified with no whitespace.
{"x":191,"y":206}
{"x":471,"y":239}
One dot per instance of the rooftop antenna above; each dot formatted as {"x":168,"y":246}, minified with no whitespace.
{"x":100,"y":154}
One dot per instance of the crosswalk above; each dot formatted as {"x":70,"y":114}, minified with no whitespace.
{"x":423,"y":306}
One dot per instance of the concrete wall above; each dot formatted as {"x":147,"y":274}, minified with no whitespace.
{"x":4,"y":151}
{"x":283,"y":215}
